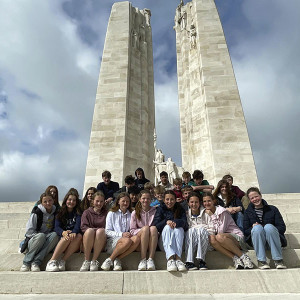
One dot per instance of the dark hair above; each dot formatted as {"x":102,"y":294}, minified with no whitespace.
{"x":253,"y":189}
{"x":177,"y":208}
{"x":229,"y":195}
{"x":138,"y":207}
{"x":163,"y":173}
{"x":129,"y":179}
{"x":177,"y":181}
{"x":198,"y":174}
{"x":209,"y":194}
{"x":47,"y":191}
{"x":63,"y":212}
{"x":133,"y":190}
{"x":45,"y":195}
{"x":194,"y":194}
{"x":106,"y":174}
{"x":225,"y":177}
{"x":116,"y":205}
{"x":186,"y":174}
{"x":85,"y":203}
{"x":186,"y":188}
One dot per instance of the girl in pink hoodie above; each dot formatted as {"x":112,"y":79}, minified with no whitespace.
{"x":225,"y":236}
{"x":140,"y":225}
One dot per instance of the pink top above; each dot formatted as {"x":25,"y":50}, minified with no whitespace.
{"x":146,"y":220}
{"x":224,"y":223}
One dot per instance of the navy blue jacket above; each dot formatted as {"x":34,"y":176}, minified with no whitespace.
{"x":271,"y":215}
{"x":163,"y":214}
{"x":108,"y":190}
{"x":72,"y":222}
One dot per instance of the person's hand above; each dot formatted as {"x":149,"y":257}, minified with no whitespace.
{"x":108,"y":200}
{"x":171,"y":224}
{"x":255,"y":224}
{"x":72,"y":236}
{"x":126,"y":234}
{"x":66,"y":234}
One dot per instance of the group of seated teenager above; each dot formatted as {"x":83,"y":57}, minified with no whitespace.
{"x":146,"y":218}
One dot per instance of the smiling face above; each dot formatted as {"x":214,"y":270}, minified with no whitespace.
{"x":98,"y":203}
{"x":256,"y":199}
{"x":194,"y":204}
{"x":170,"y":201}
{"x":71,"y":202}
{"x":208,"y":203}
{"x":47,"y":202}
{"x":186,"y":194}
{"x":53,"y":192}
{"x":159,"y":196}
{"x":145,"y":201}
{"x":178,"y":187}
{"x":90,"y":195}
{"x":186,"y":180}
{"x":198,"y":181}
{"x":223,"y":189}
{"x":124,"y":203}
{"x":139,"y":174}
{"x":164,"y":179}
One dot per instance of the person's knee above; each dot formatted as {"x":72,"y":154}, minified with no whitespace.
{"x":212,"y":240}
{"x":220,"y":238}
{"x":79,"y":237}
{"x":257,"y":230}
{"x":100,"y":232}
{"x":89,"y":232}
{"x":145,"y":229}
{"x":153,"y":231}
{"x":270,"y":229}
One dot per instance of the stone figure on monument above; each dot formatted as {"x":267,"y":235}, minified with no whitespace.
{"x":159,"y":164}
{"x":193,"y":34}
{"x":147,"y":14}
{"x":171,"y":169}
{"x":183,"y":19}
{"x":142,"y":34}
{"x":135,"y":39}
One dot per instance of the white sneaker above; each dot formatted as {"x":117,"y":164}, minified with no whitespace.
{"x":238,"y":263}
{"x":25,"y":268}
{"x":35,"y":267}
{"x":171,"y":266}
{"x":180,"y":266}
{"x":117,"y":265}
{"x":62,"y":265}
{"x":142,"y":265}
{"x":247,"y":261}
{"x":150,"y":265}
{"x":94,"y":265}
{"x":85,"y":266}
{"x":52,"y":266}
{"x":107,"y":264}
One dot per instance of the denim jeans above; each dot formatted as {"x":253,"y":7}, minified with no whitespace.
{"x":239,"y":220}
{"x":39,"y":246}
{"x":263,"y":236}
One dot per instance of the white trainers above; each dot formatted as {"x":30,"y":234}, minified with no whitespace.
{"x":150,"y":265}
{"x":94,"y":265}
{"x":107,"y":264}
{"x":279,"y":264}
{"x":25,"y":268}
{"x":85,"y":266}
{"x":52,"y":266}
{"x":35,"y":267}
{"x":171,"y":266}
{"x":180,"y":266}
{"x":238,"y":263}
{"x":142,"y":265}
{"x":117,"y":265}
{"x":247,"y":261}
{"x":62,"y":265}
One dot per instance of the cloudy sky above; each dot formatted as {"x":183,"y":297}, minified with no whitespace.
{"x":50,"y":55}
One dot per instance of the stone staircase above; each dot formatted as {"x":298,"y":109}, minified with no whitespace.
{"x":220,"y":278}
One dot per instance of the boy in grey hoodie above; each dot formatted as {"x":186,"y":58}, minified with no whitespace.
{"x":40,"y":237}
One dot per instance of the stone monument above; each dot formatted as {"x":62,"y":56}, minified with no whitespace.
{"x":124,"y":115}
{"x":214,"y":135}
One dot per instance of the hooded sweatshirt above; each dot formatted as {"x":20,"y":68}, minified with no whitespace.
{"x":146,"y":220}
{"x":47,"y":224}
{"x":141,"y":182}
{"x":92,"y":219}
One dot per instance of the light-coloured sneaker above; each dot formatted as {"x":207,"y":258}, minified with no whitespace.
{"x":247,"y":261}
{"x":25,"y":268}
{"x":279,"y":264}
{"x":107,"y":264}
{"x":171,"y":266}
{"x":150,"y":265}
{"x":35,"y":267}
{"x":180,"y":266}
{"x":94,"y":265}
{"x":142,"y":265}
{"x":238,"y":264}
{"x":62,"y":265}
{"x":52,"y":266}
{"x":263,"y":265}
{"x":85,"y":266}
{"x":117,"y":265}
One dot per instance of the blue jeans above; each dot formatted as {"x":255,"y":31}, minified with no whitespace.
{"x":239,"y":220}
{"x":263,"y":236}
{"x":39,"y":246}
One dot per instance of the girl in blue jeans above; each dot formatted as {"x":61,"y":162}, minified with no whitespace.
{"x":263,"y":225}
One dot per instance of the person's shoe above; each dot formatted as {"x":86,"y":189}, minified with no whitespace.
{"x":238,"y":264}
{"x":190,"y":266}
{"x":202,"y":265}
{"x":247,"y":261}
{"x":35,"y":267}
{"x":263,"y":265}
{"x":279,"y":264}
{"x":117,"y":265}
{"x":107,"y":264}
{"x":85,"y":266}
{"x":142,"y":265}
{"x":52,"y":266}
{"x":180,"y":266}
{"x":171,"y":266}
{"x":62,"y":265}
{"x":94,"y":265}
{"x":25,"y":268}
{"x":150,"y":265}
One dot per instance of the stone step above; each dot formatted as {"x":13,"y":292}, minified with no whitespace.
{"x":155,"y":282}
{"x":214,"y":259}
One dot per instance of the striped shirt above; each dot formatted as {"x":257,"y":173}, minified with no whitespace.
{"x":259,"y":212}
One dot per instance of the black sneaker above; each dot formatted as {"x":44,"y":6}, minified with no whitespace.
{"x":190,"y":266}
{"x":202,"y":265}
{"x":263,"y":265}
{"x":279,"y":264}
